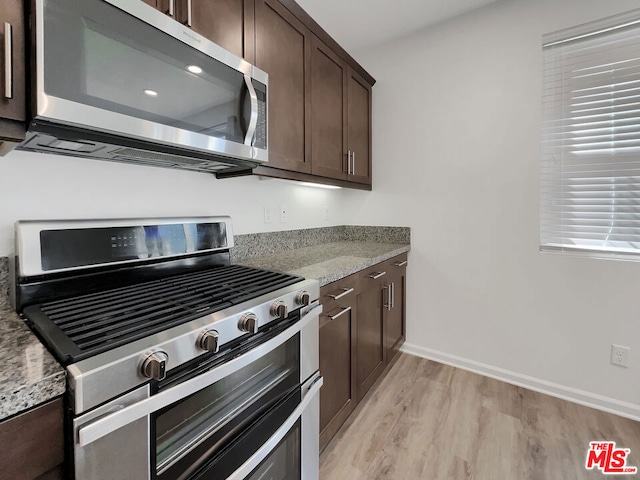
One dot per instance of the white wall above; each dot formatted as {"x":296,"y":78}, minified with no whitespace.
{"x":37,"y":186}
{"x":456,"y":148}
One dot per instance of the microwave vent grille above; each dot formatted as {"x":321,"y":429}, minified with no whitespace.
{"x":145,"y":157}
{"x":162,"y":157}
{"x":45,"y":143}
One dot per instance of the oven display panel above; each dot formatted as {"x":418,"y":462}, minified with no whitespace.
{"x":81,"y":247}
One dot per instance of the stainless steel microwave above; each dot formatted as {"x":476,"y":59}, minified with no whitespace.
{"x":119,"y":80}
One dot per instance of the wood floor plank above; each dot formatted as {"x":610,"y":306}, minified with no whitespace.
{"x":425,"y":420}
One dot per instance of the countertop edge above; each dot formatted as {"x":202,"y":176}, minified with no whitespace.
{"x":366,"y":263}
{"x":29,"y":396}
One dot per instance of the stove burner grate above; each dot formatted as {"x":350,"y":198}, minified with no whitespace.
{"x":86,"y":325}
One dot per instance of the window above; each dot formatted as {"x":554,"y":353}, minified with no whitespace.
{"x":590,"y":157}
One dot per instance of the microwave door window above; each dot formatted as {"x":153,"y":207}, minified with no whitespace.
{"x":100,"y":56}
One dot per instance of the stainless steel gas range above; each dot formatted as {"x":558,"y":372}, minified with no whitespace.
{"x":179,"y":364}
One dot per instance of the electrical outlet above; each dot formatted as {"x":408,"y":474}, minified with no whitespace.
{"x":325,"y":213}
{"x":267,"y":215}
{"x":284,"y":213}
{"x":620,"y":355}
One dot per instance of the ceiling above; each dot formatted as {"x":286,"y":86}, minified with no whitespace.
{"x":358,"y":24}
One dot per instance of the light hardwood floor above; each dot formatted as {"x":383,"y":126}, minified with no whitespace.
{"x":425,"y":420}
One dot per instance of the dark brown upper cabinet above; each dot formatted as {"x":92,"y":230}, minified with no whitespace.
{"x":328,"y":113}
{"x":340,"y":118}
{"x":221,"y":21}
{"x":359,"y":128}
{"x":283,"y":50}
{"x":13,"y":111}
{"x":224,"y":22}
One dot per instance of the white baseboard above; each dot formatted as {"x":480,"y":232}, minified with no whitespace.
{"x":581,"y":397}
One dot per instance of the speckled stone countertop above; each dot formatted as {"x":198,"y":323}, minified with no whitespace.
{"x":330,"y":262}
{"x":324,"y":254}
{"x":29,"y":375}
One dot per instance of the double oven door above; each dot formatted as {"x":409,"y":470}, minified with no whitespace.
{"x":249,"y":412}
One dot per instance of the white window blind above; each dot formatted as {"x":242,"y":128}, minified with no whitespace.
{"x":590,"y":165}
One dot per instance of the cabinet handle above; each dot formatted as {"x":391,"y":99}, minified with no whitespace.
{"x":377,"y":275}
{"x":354,"y":163}
{"x":345,"y":291}
{"x":340,"y":313}
{"x":393,"y":295}
{"x":172,"y":8}
{"x":189,"y":13}
{"x":349,"y":162}
{"x":387,"y":305}
{"x":8,"y":60}
{"x":400,"y":264}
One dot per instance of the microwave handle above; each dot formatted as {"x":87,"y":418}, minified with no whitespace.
{"x":253,"y":121}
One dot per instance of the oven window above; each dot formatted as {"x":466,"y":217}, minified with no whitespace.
{"x":284,"y":462}
{"x":195,"y":429}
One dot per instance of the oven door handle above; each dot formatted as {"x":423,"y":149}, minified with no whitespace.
{"x":310,"y":391}
{"x":114,"y":421}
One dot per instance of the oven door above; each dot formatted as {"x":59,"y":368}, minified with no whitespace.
{"x":252,"y":409}
{"x":122,"y":67}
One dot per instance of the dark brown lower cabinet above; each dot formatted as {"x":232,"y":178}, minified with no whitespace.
{"x":34,"y":444}
{"x":371,"y":353}
{"x":396,"y":305}
{"x":337,"y":359}
{"x":362,"y":328}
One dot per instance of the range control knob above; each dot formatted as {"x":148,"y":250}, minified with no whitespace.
{"x":303,"y":298}
{"x":154,"y":365}
{"x":279,"y":309}
{"x":248,"y":323}
{"x":208,"y":340}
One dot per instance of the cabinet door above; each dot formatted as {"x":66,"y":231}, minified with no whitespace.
{"x":37,"y":443}
{"x":396,"y":305}
{"x":359,"y":127}
{"x":221,"y":21}
{"x":370,"y":338}
{"x":337,"y":356}
{"x":283,"y":50}
{"x":328,"y":113}
{"x":224,"y":22}
{"x":169,"y":7}
{"x":13,"y":111}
